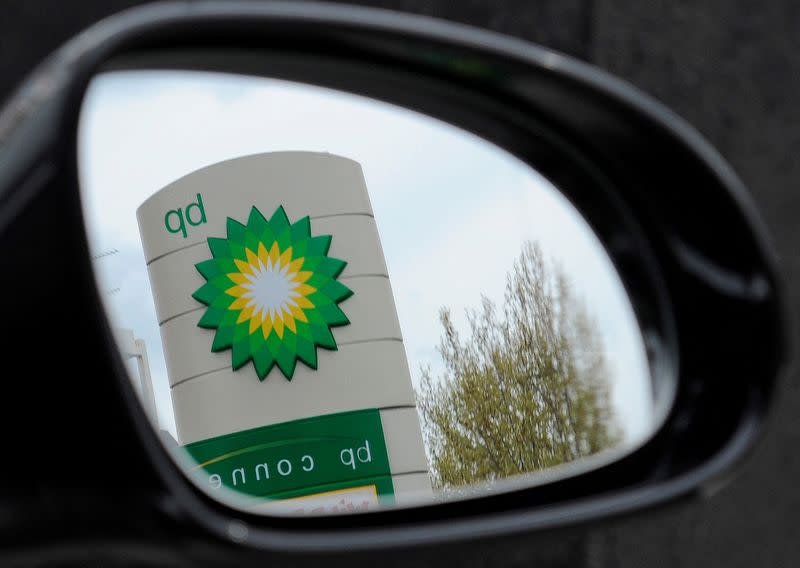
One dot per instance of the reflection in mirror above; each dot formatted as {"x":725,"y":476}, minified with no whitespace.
{"x":329,"y":303}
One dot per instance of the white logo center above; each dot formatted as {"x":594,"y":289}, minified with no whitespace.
{"x":270,"y":289}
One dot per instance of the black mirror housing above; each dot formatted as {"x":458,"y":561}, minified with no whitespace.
{"x":678,"y":224}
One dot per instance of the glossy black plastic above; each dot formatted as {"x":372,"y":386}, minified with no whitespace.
{"x":676,"y":221}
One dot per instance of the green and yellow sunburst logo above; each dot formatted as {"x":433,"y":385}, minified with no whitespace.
{"x":272,"y":293}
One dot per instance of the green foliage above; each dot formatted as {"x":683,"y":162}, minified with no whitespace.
{"x":528,"y":389}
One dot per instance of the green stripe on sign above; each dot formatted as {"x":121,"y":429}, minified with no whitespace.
{"x":287,"y":458}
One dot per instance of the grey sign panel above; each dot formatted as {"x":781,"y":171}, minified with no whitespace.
{"x":367,"y":369}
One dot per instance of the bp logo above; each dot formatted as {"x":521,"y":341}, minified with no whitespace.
{"x":272,"y":293}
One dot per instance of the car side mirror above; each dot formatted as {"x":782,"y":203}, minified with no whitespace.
{"x":311,"y":260}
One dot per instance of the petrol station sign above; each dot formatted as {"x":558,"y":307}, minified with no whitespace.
{"x":286,"y":364}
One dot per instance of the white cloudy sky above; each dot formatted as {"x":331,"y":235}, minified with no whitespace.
{"x":450,"y":208}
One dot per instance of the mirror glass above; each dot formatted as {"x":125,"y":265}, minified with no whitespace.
{"x":329,"y":304}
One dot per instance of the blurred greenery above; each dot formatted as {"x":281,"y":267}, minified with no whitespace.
{"x":528,"y":389}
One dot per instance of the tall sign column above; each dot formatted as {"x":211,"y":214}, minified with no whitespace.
{"x":288,"y":374}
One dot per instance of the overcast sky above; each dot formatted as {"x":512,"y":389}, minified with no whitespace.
{"x":442,"y":198}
